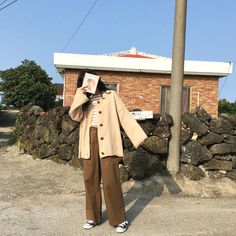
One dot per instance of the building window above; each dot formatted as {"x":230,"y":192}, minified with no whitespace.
{"x":113,"y":86}
{"x":165,"y":99}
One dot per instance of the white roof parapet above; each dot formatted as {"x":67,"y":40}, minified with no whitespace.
{"x":128,"y":64}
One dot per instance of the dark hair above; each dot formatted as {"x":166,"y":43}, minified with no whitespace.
{"x":100,"y":86}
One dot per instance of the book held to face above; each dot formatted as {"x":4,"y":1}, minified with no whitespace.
{"x":91,"y":81}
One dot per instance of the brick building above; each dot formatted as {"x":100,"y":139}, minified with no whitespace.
{"x":143,"y":80}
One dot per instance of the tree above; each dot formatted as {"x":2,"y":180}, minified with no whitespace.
{"x":226,"y":107}
{"x":26,"y":83}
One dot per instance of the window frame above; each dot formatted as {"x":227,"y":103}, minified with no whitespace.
{"x":189,"y":92}
{"x":117,"y":85}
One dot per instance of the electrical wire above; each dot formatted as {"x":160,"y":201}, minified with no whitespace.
{"x":76,"y":30}
{"x":8,"y":4}
{"x":225,"y":79}
{"x":3,"y":2}
{"x":79,"y":26}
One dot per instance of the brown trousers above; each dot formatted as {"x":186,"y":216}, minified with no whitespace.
{"x":107,"y":169}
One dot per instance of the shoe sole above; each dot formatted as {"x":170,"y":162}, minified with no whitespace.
{"x":121,"y":231}
{"x":89,"y":228}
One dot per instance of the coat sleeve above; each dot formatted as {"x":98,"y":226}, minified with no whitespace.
{"x":76,"y":112}
{"x":131,"y":127}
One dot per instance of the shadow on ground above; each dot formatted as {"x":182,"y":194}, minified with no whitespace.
{"x":143,"y":192}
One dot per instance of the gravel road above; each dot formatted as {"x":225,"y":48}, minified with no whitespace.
{"x":41,"y":197}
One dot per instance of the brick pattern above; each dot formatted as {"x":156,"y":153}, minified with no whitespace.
{"x":142,"y":90}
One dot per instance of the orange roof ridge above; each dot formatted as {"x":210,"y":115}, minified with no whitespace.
{"x":132,"y":52}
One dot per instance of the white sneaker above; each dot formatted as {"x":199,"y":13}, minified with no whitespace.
{"x":89,"y":224}
{"x":122,"y":227}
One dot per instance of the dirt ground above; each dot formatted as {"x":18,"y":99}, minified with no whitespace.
{"x":43,"y":198}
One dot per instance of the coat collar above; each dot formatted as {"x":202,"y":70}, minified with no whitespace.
{"x":106,"y":93}
{"x":104,"y":96}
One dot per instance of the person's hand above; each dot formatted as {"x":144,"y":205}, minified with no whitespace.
{"x":84,"y":89}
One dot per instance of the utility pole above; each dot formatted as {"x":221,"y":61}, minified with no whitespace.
{"x":177,"y":76}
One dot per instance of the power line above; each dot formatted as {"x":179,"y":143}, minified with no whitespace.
{"x":7,"y":4}
{"x":3,"y":2}
{"x":79,"y":26}
{"x":225,"y":79}
{"x":76,"y":30}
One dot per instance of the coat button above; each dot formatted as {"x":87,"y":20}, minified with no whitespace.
{"x":100,"y":112}
{"x":98,"y":101}
{"x":102,"y":153}
{"x":102,"y":138}
{"x":101,"y":124}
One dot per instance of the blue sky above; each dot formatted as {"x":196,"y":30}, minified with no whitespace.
{"x":34,"y":30}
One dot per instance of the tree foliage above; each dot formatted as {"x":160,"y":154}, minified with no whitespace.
{"x":26,"y":83}
{"x":226,"y":107}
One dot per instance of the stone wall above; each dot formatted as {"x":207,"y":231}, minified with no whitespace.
{"x":208,"y":144}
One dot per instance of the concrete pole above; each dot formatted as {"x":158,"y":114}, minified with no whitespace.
{"x":177,"y":75}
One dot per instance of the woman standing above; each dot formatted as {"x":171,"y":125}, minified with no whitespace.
{"x":100,"y":146}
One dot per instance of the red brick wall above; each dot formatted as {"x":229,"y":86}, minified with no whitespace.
{"x":142,"y":90}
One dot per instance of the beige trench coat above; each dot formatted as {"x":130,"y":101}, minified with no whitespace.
{"x":111,"y":114}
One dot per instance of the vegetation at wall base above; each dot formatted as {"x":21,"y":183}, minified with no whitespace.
{"x":16,"y":132}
